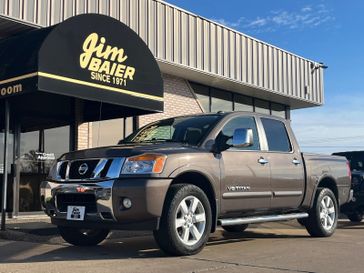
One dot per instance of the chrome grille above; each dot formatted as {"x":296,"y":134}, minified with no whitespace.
{"x":89,"y":169}
{"x":75,"y":167}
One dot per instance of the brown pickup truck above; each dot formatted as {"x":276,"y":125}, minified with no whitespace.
{"x":182,"y":177}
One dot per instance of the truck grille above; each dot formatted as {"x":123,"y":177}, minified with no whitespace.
{"x":76,"y":199}
{"x":74,"y":171}
{"x":89,"y":169}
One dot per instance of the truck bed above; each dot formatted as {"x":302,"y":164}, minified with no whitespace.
{"x":330,"y":168}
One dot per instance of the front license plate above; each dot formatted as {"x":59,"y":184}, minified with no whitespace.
{"x":75,"y":213}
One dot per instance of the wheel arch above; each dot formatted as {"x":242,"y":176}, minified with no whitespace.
{"x":203,"y":182}
{"x":327,"y":182}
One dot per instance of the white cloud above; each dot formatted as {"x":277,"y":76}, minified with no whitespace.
{"x":306,"y":17}
{"x":306,"y":9}
{"x":259,"y":22}
{"x":235,"y":24}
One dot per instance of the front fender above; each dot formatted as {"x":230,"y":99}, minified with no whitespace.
{"x":189,"y":168}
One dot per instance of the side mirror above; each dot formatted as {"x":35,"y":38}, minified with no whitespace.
{"x":242,"y":137}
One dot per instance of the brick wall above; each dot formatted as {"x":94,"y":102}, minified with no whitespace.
{"x":179,"y":100}
{"x":84,"y":136}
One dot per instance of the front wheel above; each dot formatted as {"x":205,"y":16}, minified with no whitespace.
{"x":322,"y":220}
{"x":83,"y":237}
{"x":186,"y":221}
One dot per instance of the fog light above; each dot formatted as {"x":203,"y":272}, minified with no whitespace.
{"x":127,"y":203}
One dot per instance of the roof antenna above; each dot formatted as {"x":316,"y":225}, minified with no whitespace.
{"x":98,"y":132}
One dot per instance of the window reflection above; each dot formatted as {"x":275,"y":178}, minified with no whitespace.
{"x":243,"y":103}
{"x":221,"y":101}
{"x":278,"y":110}
{"x":38,"y":150}
{"x":203,"y":95}
{"x":109,"y":132}
{"x":261,"y":106}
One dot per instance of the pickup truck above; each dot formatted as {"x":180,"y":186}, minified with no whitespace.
{"x":182,"y":177}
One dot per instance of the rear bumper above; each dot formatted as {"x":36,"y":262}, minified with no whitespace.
{"x":103,"y":202}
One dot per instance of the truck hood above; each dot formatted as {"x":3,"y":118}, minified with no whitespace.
{"x":126,"y":150}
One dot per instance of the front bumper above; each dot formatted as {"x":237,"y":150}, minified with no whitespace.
{"x":103,"y":202}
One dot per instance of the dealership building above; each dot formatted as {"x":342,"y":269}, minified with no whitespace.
{"x":204,"y":67}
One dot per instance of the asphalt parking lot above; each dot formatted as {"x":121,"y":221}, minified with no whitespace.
{"x":270,"y":247}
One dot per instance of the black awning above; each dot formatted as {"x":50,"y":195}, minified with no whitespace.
{"x":91,"y":57}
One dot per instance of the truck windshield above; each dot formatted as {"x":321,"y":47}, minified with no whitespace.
{"x":189,"y":130}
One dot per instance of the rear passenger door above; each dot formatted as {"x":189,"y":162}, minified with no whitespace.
{"x":286,"y":166}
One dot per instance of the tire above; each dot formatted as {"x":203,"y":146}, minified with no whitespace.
{"x":355,"y":217}
{"x":322,"y":220}
{"x":235,"y":228}
{"x":180,"y":233}
{"x":302,"y":221}
{"x":83,"y":237}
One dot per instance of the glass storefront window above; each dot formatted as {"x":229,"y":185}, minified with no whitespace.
{"x":29,"y":147}
{"x":221,"y":101}
{"x":214,"y":100}
{"x":52,"y":143}
{"x":10,"y":177}
{"x":10,"y":152}
{"x":38,"y":150}
{"x":278,"y":110}
{"x":109,"y":132}
{"x":261,"y":106}
{"x":203,"y":95}
{"x":53,"y":147}
{"x":243,"y":103}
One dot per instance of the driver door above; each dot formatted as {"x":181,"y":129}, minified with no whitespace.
{"x":245,"y":178}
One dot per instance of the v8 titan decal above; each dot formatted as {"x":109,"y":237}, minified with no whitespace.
{"x":105,"y":62}
{"x":238,"y":188}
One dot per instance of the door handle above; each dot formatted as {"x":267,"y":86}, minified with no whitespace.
{"x":263,"y":161}
{"x":296,"y":161}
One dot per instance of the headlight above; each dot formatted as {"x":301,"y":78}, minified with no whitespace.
{"x":144,"y":164}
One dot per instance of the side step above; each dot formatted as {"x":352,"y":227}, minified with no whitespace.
{"x":261,"y":219}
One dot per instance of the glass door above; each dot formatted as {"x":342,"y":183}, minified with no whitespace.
{"x":9,"y":173}
{"x":38,"y":150}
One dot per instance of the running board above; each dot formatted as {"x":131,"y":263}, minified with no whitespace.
{"x":261,"y":219}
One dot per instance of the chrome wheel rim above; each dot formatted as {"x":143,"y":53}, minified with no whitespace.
{"x":190,"y":220}
{"x":327,"y":213}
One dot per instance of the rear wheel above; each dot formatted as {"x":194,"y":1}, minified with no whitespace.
{"x":322,"y":220}
{"x":83,"y":237}
{"x":355,"y":217}
{"x":186,"y":221}
{"x":235,"y":228}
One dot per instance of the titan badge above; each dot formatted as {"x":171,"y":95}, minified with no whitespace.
{"x":238,"y":188}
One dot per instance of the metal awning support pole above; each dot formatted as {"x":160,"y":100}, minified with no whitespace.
{"x":5,"y":172}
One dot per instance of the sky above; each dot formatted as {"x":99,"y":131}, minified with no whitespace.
{"x":331,"y":32}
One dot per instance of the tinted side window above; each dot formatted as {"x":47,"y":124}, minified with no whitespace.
{"x":224,"y":139}
{"x":277,"y":136}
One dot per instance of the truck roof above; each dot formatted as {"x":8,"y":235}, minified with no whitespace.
{"x":223,"y":114}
